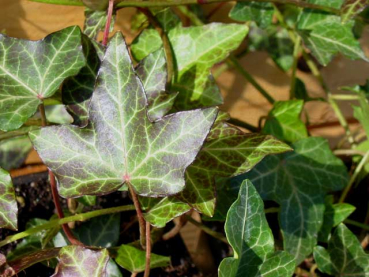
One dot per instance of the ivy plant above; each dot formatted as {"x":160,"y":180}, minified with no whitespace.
{"x":145,"y":122}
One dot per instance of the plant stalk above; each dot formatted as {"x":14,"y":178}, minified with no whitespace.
{"x":357,"y":224}
{"x":54,"y":191}
{"x":148,"y":250}
{"x":141,"y":220}
{"x":108,"y":22}
{"x":296,"y":54}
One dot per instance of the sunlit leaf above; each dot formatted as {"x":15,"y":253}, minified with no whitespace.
{"x":344,"y":256}
{"x":33,"y":70}
{"x":252,"y":240}
{"x":8,"y":204}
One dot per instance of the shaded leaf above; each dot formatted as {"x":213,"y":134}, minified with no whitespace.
{"x":95,"y":21}
{"x":298,"y":181}
{"x":284,"y":123}
{"x":121,"y":140}
{"x":261,"y":13}
{"x":13,"y":152}
{"x":8,"y":203}
{"x":344,"y":256}
{"x":334,"y":214}
{"x":33,"y":70}
{"x":96,"y":4}
{"x":252,"y":240}
{"x":134,"y":260}
{"x":112,"y":269}
{"x":352,"y":8}
{"x":78,"y":261}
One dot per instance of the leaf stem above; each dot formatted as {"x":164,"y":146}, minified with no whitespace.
{"x":166,"y":44}
{"x":353,"y":177}
{"x":141,"y":220}
{"x":296,"y":55}
{"x":54,"y":191}
{"x":207,"y":230}
{"x":108,"y":22}
{"x":65,"y":220}
{"x":243,"y":124}
{"x":190,"y":15}
{"x":148,"y":250}
{"x":357,"y":224}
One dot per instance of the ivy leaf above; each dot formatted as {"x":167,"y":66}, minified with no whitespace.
{"x":95,"y":22}
{"x":334,"y":214}
{"x":134,"y":260}
{"x":120,"y":144}
{"x":284,"y":123}
{"x":344,"y":256}
{"x":31,"y":71}
{"x":96,"y":4}
{"x":78,"y":261}
{"x":8,"y":203}
{"x":196,"y":50}
{"x":252,"y":240}
{"x":13,"y":152}
{"x":298,"y":181}
{"x":352,"y":8}
{"x":325,"y":35}
{"x":153,"y":74}
{"x":261,"y":13}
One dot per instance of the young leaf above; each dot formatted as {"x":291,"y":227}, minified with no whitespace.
{"x":134,"y":260}
{"x":284,"y":121}
{"x":31,"y":71}
{"x":8,"y":203}
{"x":261,"y":13}
{"x":13,"y":152}
{"x":78,"y":261}
{"x":344,"y":256}
{"x":298,"y":181}
{"x":120,"y":144}
{"x":334,"y":214}
{"x":252,"y":240}
{"x":196,"y":50}
{"x":352,"y":8}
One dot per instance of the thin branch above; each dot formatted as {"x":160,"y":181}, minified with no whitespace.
{"x":65,"y":220}
{"x":357,"y":224}
{"x":166,"y":44}
{"x":141,"y":220}
{"x":148,"y":250}
{"x":108,"y":22}
{"x":348,"y":152}
{"x":296,"y":55}
{"x":243,"y":124}
{"x":177,"y":227}
{"x":54,"y":191}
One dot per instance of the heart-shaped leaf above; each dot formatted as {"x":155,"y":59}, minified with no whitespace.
{"x":344,"y":256}
{"x":8,"y":204}
{"x":78,"y":261}
{"x":120,"y":144}
{"x":252,"y":240}
{"x":31,"y":71}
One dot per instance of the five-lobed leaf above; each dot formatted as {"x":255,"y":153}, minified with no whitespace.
{"x":78,"y":261}
{"x":344,"y":256}
{"x":252,"y":240}
{"x":8,"y":203}
{"x":120,"y":145}
{"x":31,"y":71}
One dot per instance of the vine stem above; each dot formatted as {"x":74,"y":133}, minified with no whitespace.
{"x":148,"y":250}
{"x":65,"y":220}
{"x":141,"y":220}
{"x":296,"y":53}
{"x":108,"y":22}
{"x":54,"y":191}
{"x":166,"y":44}
{"x":353,"y":177}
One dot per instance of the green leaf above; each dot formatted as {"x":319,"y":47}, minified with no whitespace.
{"x":252,"y":240}
{"x":344,"y":256}
{"x":96,"y":4}
{"x":299,"y":181}
{"x":284,"y":121}
{"x":31,"y":71}
{"x":121,"y":140}
{"x":87,"y":200}
{"x":325,"y":35}
{"x":13,"y":152}
{"x":334,"y":214}
{"x":153,"y":74}
{"x":95,"y":22}
{"x":134,"y":260}
{"x":261,"y":13}
{"x":78,"y":261}
{"x":8,"y":203}
{"x":351,"y":8}
{"x":77,"y":90}
{"x":196,"y":50}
